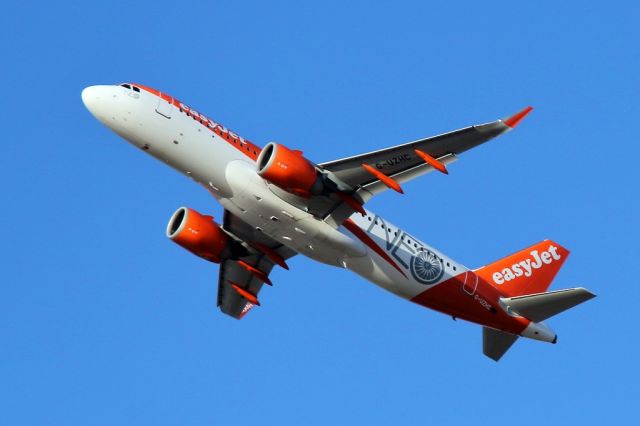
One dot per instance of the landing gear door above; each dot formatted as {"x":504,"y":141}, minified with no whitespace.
{"x":164,"y":107}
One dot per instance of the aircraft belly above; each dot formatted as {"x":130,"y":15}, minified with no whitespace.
{"x":252,"y":201}
{"x":176,"y":141}
{"x":375,"y":272}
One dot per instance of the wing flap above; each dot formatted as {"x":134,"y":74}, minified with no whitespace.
{"x":230,"y":301}
{"x":237,"y":302}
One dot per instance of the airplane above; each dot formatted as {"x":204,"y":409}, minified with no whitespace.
{"x":277,"y":203}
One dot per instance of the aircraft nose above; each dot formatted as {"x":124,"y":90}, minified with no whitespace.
{"x":94,"y":98}
{"x":90,"y":98}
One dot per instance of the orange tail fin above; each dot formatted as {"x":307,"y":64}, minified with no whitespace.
{"x":528,"y":271}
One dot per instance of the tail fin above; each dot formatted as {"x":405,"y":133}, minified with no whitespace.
{"x":526,"y":272}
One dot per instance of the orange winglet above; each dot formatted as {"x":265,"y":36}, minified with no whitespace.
{"x":255,"y":271}
{"x":351,"y":202}
{"x":517,"y":117}
{"x":245,"y":293}
{"x":432,"y":161}
{"x":271,"y":254}
{"x":383,"y":178}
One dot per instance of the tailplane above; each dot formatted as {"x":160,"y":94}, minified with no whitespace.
{"x":539,"y":307}
{"x":528,"y":271}
{"x":496,"y":343}
{"x":523,"y":279}
{"x":536,"y":308}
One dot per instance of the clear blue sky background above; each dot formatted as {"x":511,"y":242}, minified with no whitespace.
{"x":103,"y":321}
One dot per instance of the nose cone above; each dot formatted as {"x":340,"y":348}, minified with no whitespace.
{"x":95,"y":98}
{"x":89,"y":97}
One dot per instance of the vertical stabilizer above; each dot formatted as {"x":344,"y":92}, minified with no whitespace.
{"x":526,"y":272}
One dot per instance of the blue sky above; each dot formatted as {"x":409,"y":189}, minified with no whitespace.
{"x":104,"y":321}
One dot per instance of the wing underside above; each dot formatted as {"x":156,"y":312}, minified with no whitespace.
{"x":402,"y":162}
{"x":240,"y":280}
{"x":366,"y":175}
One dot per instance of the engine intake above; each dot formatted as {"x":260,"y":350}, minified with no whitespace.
{"x":289,"y":170}
{"x":199,"y":234}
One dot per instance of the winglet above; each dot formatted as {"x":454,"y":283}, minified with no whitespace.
{"x":515,"y":119}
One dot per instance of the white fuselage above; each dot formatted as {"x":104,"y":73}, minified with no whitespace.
{"x":224,"y":164}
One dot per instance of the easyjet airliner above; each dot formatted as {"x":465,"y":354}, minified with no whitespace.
{"x":277,"y":204}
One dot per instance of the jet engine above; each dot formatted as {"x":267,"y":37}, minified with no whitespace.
{"x":199,"y":234}
{"x":289,"y":170}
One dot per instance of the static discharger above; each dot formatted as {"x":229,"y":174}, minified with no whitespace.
{"x":245,"y":293}
{"x":271,"y":254}
{"x":255,"y":271}
{"x":432,"y":161}
{"x":383,"y":178}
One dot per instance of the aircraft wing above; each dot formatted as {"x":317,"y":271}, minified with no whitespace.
{"x":240,"y":280}
{"x":359,"y":178}
{"x":402,"y":163}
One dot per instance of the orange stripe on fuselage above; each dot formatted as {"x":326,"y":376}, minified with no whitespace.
{"x":481,"y":306}
{"x":243,"y":145}
{"x":362,"y":236}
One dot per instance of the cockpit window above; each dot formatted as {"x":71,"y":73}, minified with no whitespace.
{"x":135,"y":89}
{"x":126,"y":85}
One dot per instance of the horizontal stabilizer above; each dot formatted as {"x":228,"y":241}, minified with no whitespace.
{"x":538,"y":307}
{"x":495,"y":343}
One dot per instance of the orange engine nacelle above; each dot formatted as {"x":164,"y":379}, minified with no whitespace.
{"x":199,"y":234}
{"x":289,"y":170}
